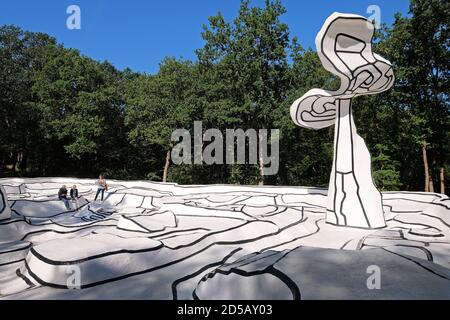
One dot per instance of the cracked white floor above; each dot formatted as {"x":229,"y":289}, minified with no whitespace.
{"x":164,"y":241}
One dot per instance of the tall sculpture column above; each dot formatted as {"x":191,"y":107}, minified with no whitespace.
{"x":344,"y":48}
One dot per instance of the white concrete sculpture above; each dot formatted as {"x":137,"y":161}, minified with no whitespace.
{"x":165,"y":241}
{"x":344,"y":48}
{"x":150,"y":240}
{"x":5,"y":211}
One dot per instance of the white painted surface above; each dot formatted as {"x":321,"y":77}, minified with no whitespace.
{"x":157,"y":241}
{"x":344,"y":46}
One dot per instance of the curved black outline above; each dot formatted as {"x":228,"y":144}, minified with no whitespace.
{"x":3,"y":202}
{"x":200,"y":271}
{"x":292,"y":286}
{"x":279,"y":209}
{"x":347,"y":90}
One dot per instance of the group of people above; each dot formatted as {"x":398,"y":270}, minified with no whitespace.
{"x":62,"y":193}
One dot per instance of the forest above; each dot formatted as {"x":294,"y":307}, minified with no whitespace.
{"x":65,"y":114}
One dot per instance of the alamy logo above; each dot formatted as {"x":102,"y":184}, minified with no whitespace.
{"x":74,"y":20}
{"x":241,"y":147}
{"x":374,"y":281}
{"x":74,"y":278}
{"x":375,"y":18}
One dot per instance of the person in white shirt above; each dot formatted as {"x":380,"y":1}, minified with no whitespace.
{"x":102,"y":186}
{"x":74,"y":196}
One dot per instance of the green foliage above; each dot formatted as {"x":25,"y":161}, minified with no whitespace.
{"x":62,"y":113}
{"x":385,"y":172}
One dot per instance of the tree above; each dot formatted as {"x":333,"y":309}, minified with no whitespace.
{"x":158,"y":105}
{"x":306,"y":154}
{"x":80,"y":106}
{"x":62,"y":113}
{"x":419,"y":47}
{"x":250,"y":58}
{"x":385,"y":171}
{"x":21,"y":54}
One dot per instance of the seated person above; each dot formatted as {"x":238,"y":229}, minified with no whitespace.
{"x":74,"y":192}
{"x":62,"y":195}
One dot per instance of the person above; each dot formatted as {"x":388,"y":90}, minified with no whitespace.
{"x":62,"y":195}
{"x":102,"y":186}
{"x":74,"y":195}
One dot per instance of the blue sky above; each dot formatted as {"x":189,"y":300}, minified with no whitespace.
{"x":140,"y":33}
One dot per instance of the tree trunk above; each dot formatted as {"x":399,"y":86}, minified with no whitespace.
{"x":442,"y":180}
{"x":425,"y":166}
{"x":24,"y":163}
{"x":431,"y":187}
{"x":166,"y":166}
{"x":42,"y":168}
{"x":261,"y":170}
{"x":14,"y":162}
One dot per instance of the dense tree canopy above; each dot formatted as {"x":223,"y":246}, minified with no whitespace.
{"x":64,"y":114}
